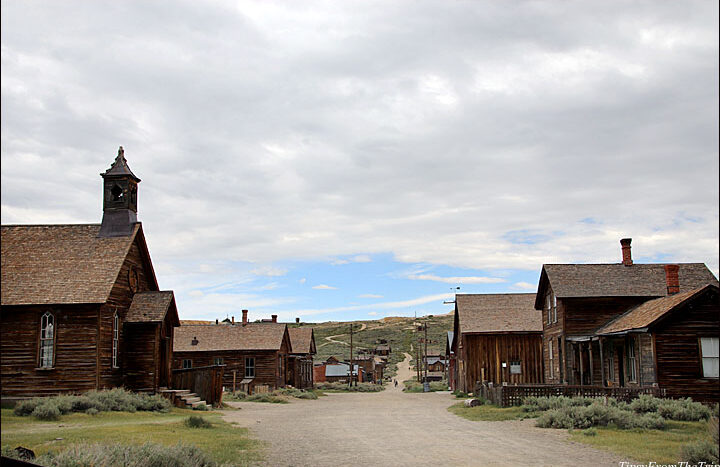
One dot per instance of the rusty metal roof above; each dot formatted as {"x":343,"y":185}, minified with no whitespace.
{"x":493,"y":313}
{"x":253,"y":336}
{"x":62,"y":264}
{"x":645,"y":314}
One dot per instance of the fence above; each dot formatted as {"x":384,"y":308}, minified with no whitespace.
{"x":506,"y":396}
{"x":205,"y":381}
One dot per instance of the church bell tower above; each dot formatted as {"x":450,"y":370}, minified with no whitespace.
{"x":119,"y":198}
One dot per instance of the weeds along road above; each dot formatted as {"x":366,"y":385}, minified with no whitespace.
{"x":393,"y":428}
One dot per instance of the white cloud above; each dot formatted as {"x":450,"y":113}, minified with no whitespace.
{"x":456,"y":280}
{"x":324,"y":287}
{"x":369,"y":295}
{"x":269,"y":271}
{"x":400,"y":305}
{"x":373,"y":313}
{"x":302,"y":281}
{"x":525,"y":285}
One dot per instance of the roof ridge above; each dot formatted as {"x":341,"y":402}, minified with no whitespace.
{"x":49,"y":225}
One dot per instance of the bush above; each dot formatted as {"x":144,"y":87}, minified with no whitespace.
{"x":155,"y":403}
{"x":361,"y":387}
{"x":683,"y":410}
{"x":92,"y":411}
{"x":195,"y":421}
{"x":597,"y":414}
{"x":26,"y":407}
{"x":146,"y":455}
{"x":307,"y":395}
{"x":645,"y":403}
{"x":48,"y":410}
{"x":701,"y":451}
{"x":589,"y":432}
{"x":201,"y":407}
{"x":267,"y":397}
{"x":542,"y":404}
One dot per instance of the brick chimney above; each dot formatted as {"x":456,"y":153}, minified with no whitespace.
{"x":626,"y":253}
{"x":244,"y":317}
{"x":233,"y":321}
{"x":297,"y":320}
{"x":672,"y":278}
{"x":274,"y":318}
{"x":194,"y":341}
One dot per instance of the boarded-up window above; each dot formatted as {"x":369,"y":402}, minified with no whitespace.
{"x":709,"y":348}
{"x":47,"y":340}
{"x":187,"y":363}
{"x":249,"y":367}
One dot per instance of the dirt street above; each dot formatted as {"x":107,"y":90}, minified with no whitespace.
{"x":393,"y":428}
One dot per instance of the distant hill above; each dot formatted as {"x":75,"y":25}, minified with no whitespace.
{"x":333,"y":338}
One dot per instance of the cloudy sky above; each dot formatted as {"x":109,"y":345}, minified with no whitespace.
{"x":354,"y":160}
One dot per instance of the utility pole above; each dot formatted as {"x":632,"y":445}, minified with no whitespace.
{"x":351,"y":354}
{"x":417,"y":349}
{"x":426,"y":340}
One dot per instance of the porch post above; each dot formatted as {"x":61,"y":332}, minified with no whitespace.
{"x":602,"y":363}
{"x":592,"y":367}
{"x":582,"y":372}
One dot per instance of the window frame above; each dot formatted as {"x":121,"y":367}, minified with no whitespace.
{"x":116,"y":341}
{"x":703,"y":357}
{"x":611,"y":363}
{"x":548,"y":306}
{"x":218,"y":361}
{"x":249,"y":365}
{"x":551,"y":358}
{"x":631,"y":360}
{"x":554,"y":308}
{"x":42,"y":340}
{"x":518,"y":364}
{"x":187,"y":363}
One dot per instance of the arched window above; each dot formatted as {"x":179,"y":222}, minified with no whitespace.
{"x":47,"y":340}
{"x":116,"y":339}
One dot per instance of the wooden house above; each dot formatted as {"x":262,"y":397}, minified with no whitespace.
{"x":383,"y":348}
{"x":256,"y":355}
{"x":669,"y":341}
{"x":302,"y":342}
{"x":497,"y":338}
{"x":578,"y":300}
{"x":81,"y":307}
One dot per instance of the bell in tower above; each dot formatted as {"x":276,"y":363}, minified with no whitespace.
{"x":119,"y":198}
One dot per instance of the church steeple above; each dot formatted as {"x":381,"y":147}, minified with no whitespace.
{"x":119,"y":198}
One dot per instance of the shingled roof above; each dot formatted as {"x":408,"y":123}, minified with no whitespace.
{"x":617,"y":280}
{"x":152,"y":307}
{"x":302,"y":340}
{"x":62,"y":264}
{"x":492,"y":313}
{"x":253,"y":336}
{"x":647,"y":313}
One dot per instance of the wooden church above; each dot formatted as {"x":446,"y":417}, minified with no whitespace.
{"x":81,"y":308}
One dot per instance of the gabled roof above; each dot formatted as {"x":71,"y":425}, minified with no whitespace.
{"x":497,"y":313}
{"x":253,"y":336}
{"x":64,"y":264}
{"x":645,"y":314}
{"x":152,"y":307}
{"x":302,"y":340}
{"x":617,"y":280}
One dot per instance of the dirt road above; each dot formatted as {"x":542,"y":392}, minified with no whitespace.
{"x":398,"y":429}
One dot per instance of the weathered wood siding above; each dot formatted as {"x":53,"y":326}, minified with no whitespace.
{"x":677,"y":346}
{"x":583,"y":316}
{"x":267,"y":364}
{"x":76,"y":335}
{"x":488,"y":351}
{"x":140,"y":354}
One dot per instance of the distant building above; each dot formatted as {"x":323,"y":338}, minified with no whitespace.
{"x":300,"y":368}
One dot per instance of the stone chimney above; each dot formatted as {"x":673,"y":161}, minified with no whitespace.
{"x":274,"y":318}
{"x":626,"y":253}
{"x":672,"y":279}
{"x":244,"y":322}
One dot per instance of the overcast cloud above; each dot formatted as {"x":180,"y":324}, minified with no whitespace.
{"x":493,"y":136}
